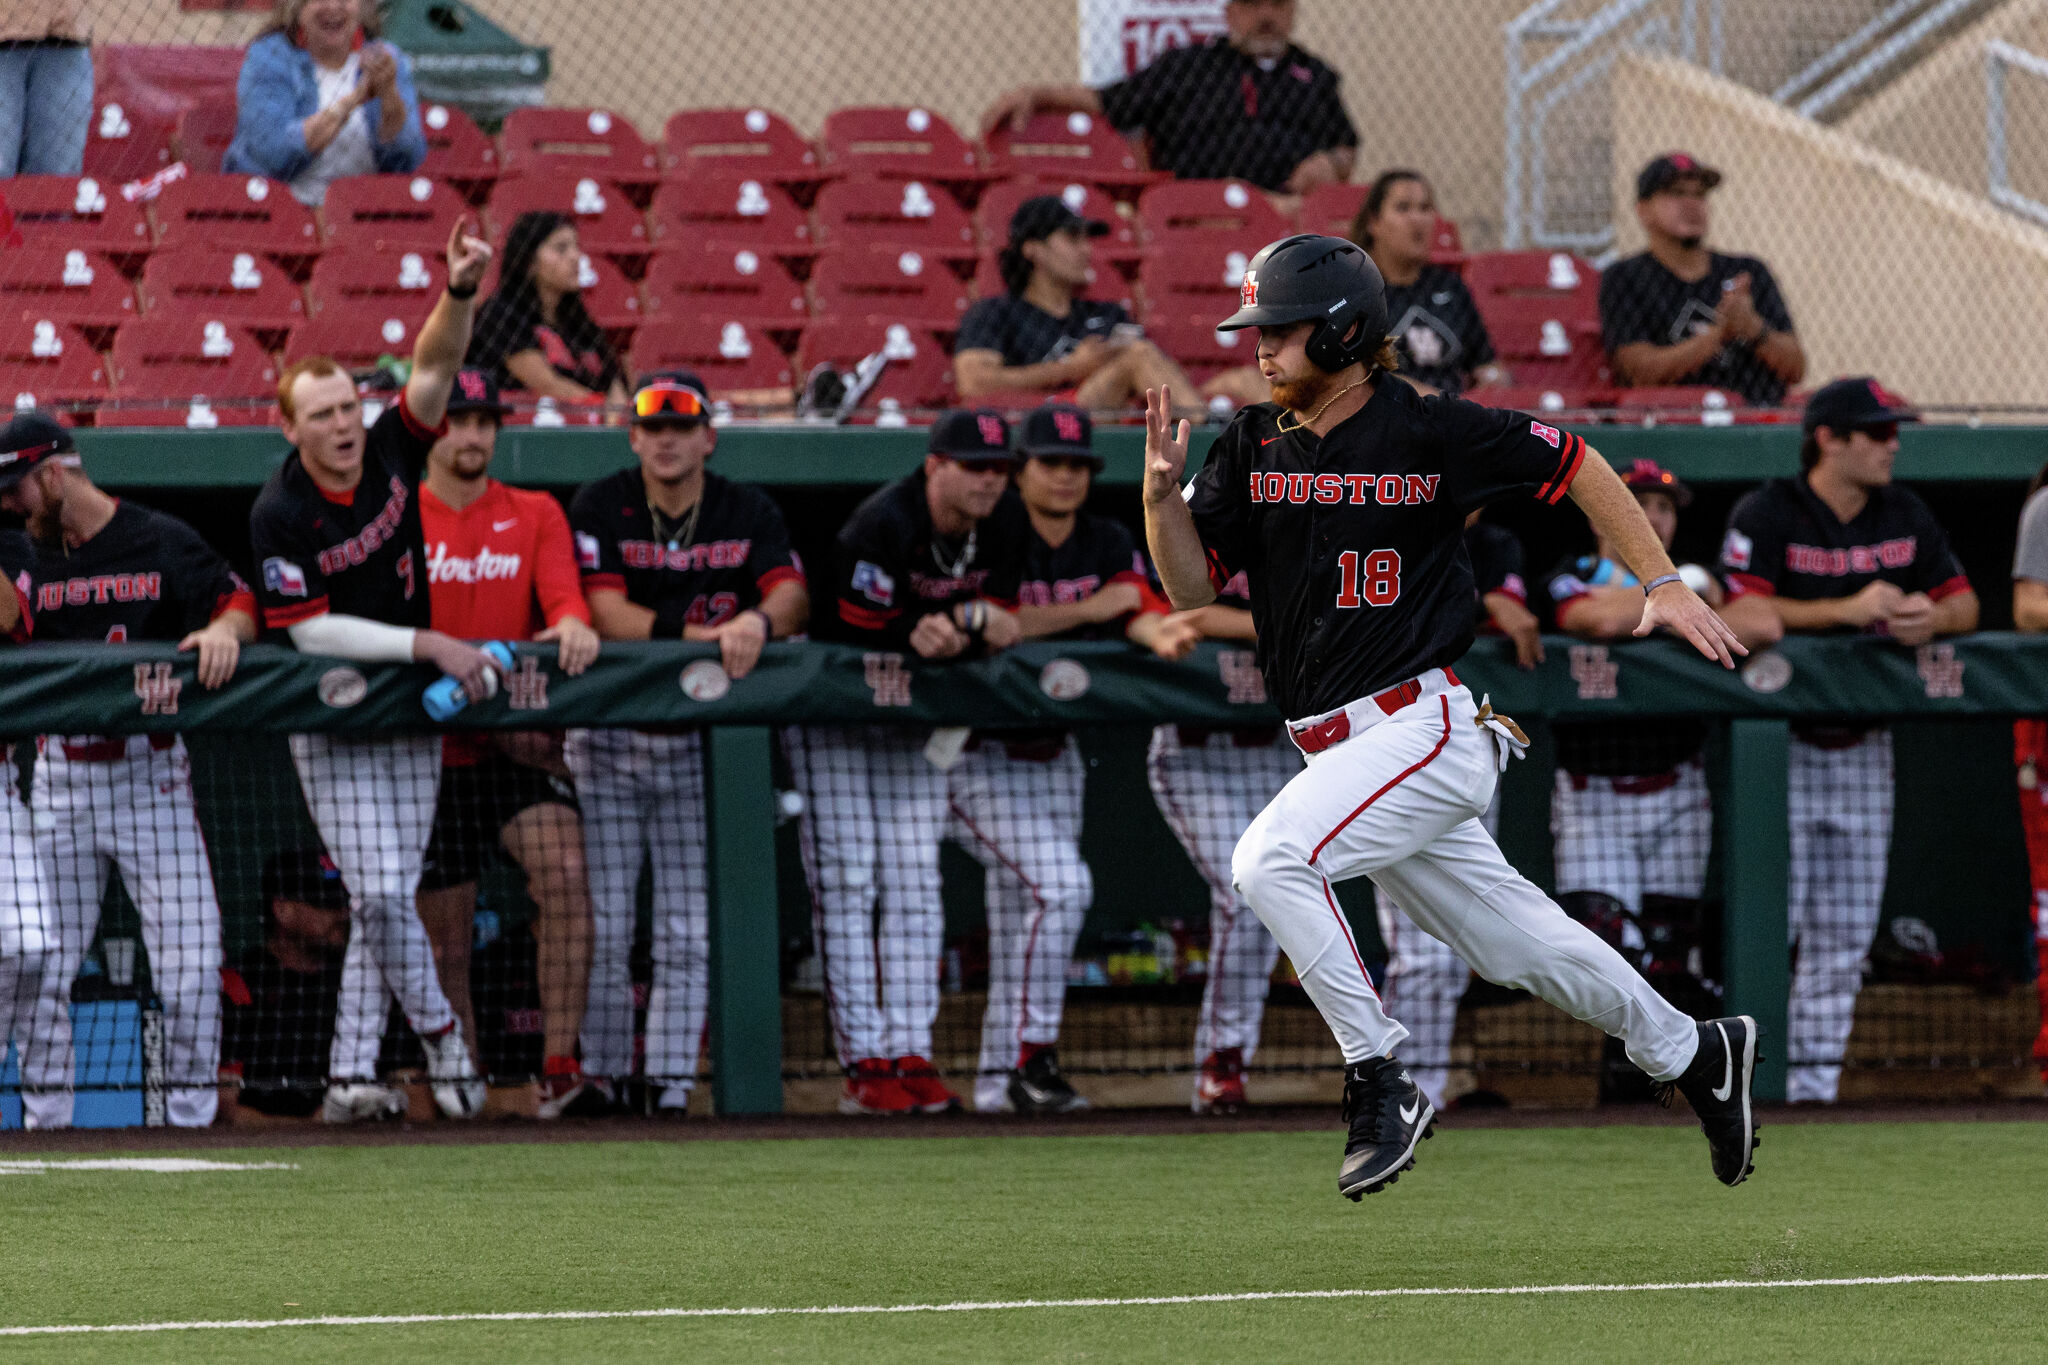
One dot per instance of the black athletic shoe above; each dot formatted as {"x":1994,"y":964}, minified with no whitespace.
{"x":1388,"y":1115}
{"x":1717,"y":1085}
{"x":1037,"y":1087}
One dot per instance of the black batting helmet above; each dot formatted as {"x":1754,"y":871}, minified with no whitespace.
{"x":1326,"y":280}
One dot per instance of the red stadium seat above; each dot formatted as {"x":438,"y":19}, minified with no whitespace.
{"x":607,"y":223}
{"x":189,"y":370}
{"x":1540,"y":399}
{"x":357,"y":282}
{"x":863,"y":212}
{"x":1074,"y":146}
{"x":612,"y":300}
{"x":721,"y":206}
{"x":71,"y":287}
{"x":1447,"y":247}
{"x":1684,"y":404}
{"x":1571,"y":285}
{"x":918,"y":373}
{"x":77,"y":211}
{"x":391,"y":212}
{"x":204,"y":132}
{"x":898,"y":143}
{"x":578,"y":142}
{"x":1331,"y":209}
{"x":234,"y":213}
{"x":1103,"y":284}
{"x":1543,"y":344}
{"x":457,"y":151}
{"x":728,"y":355}
{"x":354,"y":338}
{"x":895,"y":286}
{"x":238,"y":287}
{"x":1201,"y":350}
{"x":999,"y":204}
{"x":1202,"y":212}
{"x":126,"y":142}
{"x":746,"y":142}
{"x":44,"y":363}
{"x":1200,"y":281}
{"x":726,"y":280}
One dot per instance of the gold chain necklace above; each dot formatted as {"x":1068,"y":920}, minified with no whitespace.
{"x":1317,"y":414}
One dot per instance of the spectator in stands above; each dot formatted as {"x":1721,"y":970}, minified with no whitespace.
{"x":534,"y":333}
{"x":1248,"y":105}
{"x":278,"y":1000}
{"x":319,"y":99}
{"x":45,"y":88}
{"x":1437,"y":330}
{"x":1040,"y":337}
{"x":1681,"y":314}
{"x":2030,"y":734}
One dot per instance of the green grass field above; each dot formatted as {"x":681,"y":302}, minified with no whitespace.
{"x":626,"y":1226}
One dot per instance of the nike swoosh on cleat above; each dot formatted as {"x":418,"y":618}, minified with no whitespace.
{"x":1409,"y":1111}
{"x":1727,"y":1086}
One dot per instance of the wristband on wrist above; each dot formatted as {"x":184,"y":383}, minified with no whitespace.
{"x":465,"y":294}
{"x":1659,"y":582}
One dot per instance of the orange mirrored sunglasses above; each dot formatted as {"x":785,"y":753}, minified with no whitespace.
{"x":677,"y":401}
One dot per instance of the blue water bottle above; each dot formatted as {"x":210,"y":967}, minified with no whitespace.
{"x":445,"y":699}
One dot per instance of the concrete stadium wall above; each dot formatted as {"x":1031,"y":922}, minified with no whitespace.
{"x":1879,"y":260}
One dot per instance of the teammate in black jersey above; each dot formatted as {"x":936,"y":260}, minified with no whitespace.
{"x":1345,"y":500}
{"x":109,"y":570}
{"x":668,"y":551}
{"x":336,"y":534}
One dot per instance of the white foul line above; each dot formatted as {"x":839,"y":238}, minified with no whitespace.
{"x":1004,"y":1305}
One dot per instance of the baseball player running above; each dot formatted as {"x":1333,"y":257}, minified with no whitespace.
{"x":105,"y":569}
{"x":26,"y":934}
{"x":1841,"y":548}
{"x":669,"y":551}
{"x":930,"y":565}
{"x":336,"y":531}
{"x":1344,"y":499}
{"x":1016,"y":795}
{"x":500,"y":566}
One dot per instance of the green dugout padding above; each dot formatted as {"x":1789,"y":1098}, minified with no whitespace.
{"x":1961,"y":864}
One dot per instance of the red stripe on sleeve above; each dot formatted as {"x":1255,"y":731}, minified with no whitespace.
{"x":1573,"y":456}
{"x":1219,"y":574}
{"x":277,"y":618}
{"x":241,"y":600}
{"x":417,"y":427}
{"x":865,"y":618}
{"x":593,"y":582}
{"x":1150,"y":603}
{"x":777,"y":576}
{"x":1960,"y":583}
{"x":1742,"y":584}
{"x":25,"y":625}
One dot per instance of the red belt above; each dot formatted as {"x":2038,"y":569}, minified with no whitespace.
{"x":1630,"y":786}
{"x":1337,"y":728}
{"x":109,"y":750}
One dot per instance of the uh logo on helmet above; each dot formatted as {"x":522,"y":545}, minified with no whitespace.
{"x":1248,"y":297}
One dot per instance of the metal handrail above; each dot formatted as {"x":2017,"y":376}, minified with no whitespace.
{"x":1998,"y":56}
{"x":1875,"y":62}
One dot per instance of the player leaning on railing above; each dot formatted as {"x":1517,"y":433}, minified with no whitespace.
{"x":1344,"y":500}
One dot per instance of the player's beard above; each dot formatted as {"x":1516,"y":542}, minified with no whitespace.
{"x":1692,"y":243}
{"x":46,"y":525}
{"x":1303,"y":394}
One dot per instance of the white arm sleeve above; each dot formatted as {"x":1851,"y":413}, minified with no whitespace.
{"x":354,"y":637}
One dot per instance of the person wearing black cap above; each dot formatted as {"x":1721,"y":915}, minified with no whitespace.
{"x":109,"y":569}
{"x":669,"y":551}
{"x":26,"y":931}
{"x":928,"y":565}
{"x":1841,"y":548}
{"x":1682,"y":314}
{"x":1248,"y":104}
{"x":1344,"y":501}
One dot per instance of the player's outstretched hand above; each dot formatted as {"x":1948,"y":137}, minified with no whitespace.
{"x":1679,"y":610}
{"x":1166,"y":450}
{"x":468,"y":257}
{"x":579,"y":645}
{"x":219,"y":652}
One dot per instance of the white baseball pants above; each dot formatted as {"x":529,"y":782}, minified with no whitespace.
{"x":1840,"y":806}
{"x":134,"y":812}
{"x":1209,"y":793}
{"x":372,"y":801}
{"x":875,"y":810}
{"x":26,"y":933}
{"x":1021,"y":819}
{"x":643,"y":798}
{"x":1625,"y":843}
{"x":1399,"y":801}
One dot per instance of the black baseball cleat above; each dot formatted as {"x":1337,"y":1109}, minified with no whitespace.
{"x":1037,"y":1087}
{"x":1388,"y":1115}
{"x":1717,"y":1085}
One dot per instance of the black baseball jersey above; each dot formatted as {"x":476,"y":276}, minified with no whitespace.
{"x":16,"y":554}
{"x":1616,"y":748}
{"x":276,"y":1028}
{"x":894,"y":570}
{"x":1214,"y":113}
{"x":359,"y":555}
{"x":1355,"y":542}
{"x":1026,"y":334}
{"x":1783,"y":540}
{"x":1496,"y":566}
{"x":142,"y":576}
{"x":1642,"y":301}
{"x":1437,"y":329}
{"x":734,"y":556}
{"x":1099,"y":552}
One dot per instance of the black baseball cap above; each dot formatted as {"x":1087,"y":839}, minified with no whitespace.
{"x":972,"y":436}
{"x":1059,"y":431}
{"x":1042,"y":215}
{"x":1861,"y":401}
{"x":307,"y":875}
{"x":476,"y":391}
{"x":655,"y":400}
{"x":1670,"y":168}
{"x":28,"y":439}
{"x":1647,"y":476}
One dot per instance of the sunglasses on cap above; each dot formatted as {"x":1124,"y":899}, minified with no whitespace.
{"x":670,"y":402}
{"x":1884,"y":433}
{"x":984,"y":464}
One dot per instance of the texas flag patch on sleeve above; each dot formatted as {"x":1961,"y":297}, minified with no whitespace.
{"x":284,"y":578}
{"x":1736,"y":549}
{"x":586,"y":551}
{"x":873,"y":582}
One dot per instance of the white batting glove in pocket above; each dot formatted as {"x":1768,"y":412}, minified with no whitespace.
{"x":1509,"y":741}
